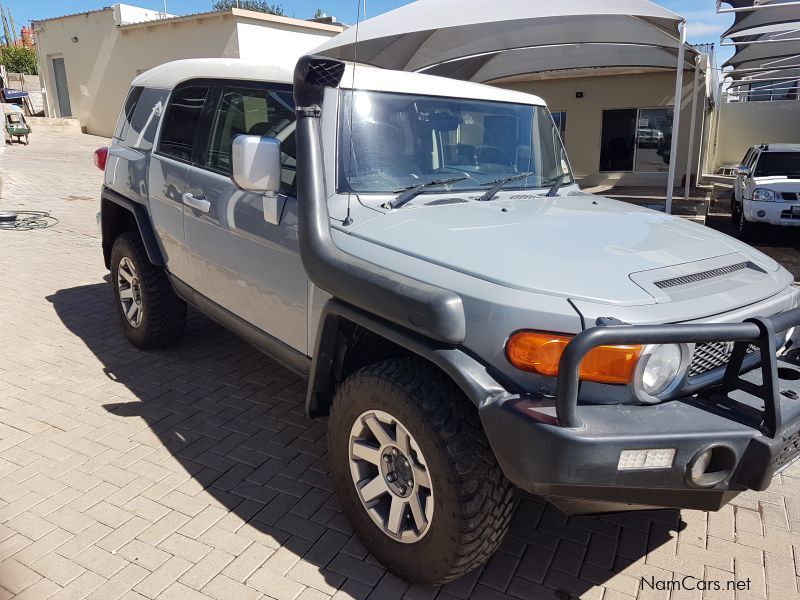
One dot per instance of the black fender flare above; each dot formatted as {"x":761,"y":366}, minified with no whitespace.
{"x":143,"y":223}
{"x":471,"y":376}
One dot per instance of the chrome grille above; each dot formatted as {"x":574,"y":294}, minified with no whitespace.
{"x":712,"y":355}
{"x":695,"y":277}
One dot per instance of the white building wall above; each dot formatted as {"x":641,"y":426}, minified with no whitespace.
{"x":102,"y":57}
{"x":255,"y":42}
{"x":744,"y":124}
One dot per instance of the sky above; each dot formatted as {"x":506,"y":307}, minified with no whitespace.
{"x":704,"y":24}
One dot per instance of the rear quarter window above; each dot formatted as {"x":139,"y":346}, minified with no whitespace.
{"x":141,"y":123}
{"x":127,"y":112}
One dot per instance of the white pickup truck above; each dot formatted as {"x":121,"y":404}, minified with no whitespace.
{"x":767,"y":188}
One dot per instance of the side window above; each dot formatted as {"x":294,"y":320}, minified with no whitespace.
{"x":251,"y":111}
{"x":142,"y":124}
{"x":747,"y":157}
{"x":181,"y":121}
{"x":127,"y":112}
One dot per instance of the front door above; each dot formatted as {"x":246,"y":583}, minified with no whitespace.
{"x":242,"y":246}
{"x":62,"y":89}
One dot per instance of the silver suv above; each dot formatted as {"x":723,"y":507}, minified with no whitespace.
{"x":467,"y":318}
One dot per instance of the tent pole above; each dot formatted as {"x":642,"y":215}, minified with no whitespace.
{"x":688,"y":186}
{"x":676,"y":121}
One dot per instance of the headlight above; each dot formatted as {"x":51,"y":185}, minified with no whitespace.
{"x":660,"y":369}
{"x":763,"y":195}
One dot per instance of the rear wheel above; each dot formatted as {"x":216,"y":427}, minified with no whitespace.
{"x":151,"y":315}
{"x":414,"y":471}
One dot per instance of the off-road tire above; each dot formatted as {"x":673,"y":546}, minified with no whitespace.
{"x":164,"y":314}
{"x":473,"y":501}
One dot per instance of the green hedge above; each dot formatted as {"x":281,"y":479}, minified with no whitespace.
{"x":18,"y":59}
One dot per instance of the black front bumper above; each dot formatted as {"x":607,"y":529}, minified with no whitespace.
{"x":570,"y":452}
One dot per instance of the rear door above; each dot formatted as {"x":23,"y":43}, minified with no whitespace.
{"x":169,"y":170}
{"x":243,"y":246}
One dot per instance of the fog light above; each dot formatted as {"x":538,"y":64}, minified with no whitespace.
{"x":762,"y":214}
{"x":711,"y":466}
{"x":652,"y":458}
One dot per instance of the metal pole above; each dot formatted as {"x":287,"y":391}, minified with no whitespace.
{"x":688,"y":186}
{"x":676,"y":121}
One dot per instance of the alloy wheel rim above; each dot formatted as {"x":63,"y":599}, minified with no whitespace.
{"x":130,"y":292}
{"x":391,"y":477}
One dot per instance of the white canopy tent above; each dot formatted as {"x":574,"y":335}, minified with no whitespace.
{"x":766,"y":35}
{"x":488,"y":41}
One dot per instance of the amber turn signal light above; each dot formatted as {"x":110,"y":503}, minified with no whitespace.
{"x":540,"y":352}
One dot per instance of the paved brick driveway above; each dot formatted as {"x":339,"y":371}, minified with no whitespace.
{"x":192,"y":472}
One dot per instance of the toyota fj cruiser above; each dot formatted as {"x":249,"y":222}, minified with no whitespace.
{"x":468,"y":319}
{"x":767,"y":188}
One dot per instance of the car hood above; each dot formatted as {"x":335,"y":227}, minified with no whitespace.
{"x":577,"y":246}
{"x":779,"y":184}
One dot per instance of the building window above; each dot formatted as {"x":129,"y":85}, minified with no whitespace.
{"x":653,"y":140}
{"x":560,"y":118}
{"x":772,"y":90}
{"x":636,"y":140}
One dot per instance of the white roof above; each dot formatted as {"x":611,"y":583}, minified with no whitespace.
{"x":365,"y":77}
{"x":781,"y":148}
{"x":172,"y":73}
{"x":372,"y":78}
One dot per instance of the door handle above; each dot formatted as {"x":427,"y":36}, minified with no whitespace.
{"x":200,"y":204}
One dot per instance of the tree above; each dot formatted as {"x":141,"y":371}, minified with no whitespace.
{"x":319,"y":13}
{"x":18,"y":59}
{"x":256,"y":5}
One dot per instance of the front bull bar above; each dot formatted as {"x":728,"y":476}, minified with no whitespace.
{"x":759,"y":331}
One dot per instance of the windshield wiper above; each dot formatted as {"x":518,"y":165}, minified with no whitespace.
{"x":555,"y":183}
{"x":499,"y":183}
{"x":411,"y":192}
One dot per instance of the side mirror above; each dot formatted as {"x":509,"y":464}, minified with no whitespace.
{"x":256,"y":163}
{"x":743,"y":171}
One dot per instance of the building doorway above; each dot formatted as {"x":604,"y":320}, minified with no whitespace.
{"x":618,"y":140}
{"x":62,"y":89}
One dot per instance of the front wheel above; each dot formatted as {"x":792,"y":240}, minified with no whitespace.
{"x":746,"y":228}
{"x":734,"y":209}
{"x":414,"y":471}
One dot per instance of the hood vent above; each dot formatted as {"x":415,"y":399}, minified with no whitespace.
{"x":703,"y":275}
{"x":442,"y":201}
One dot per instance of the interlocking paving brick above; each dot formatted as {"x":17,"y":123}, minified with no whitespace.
{"x":164,"y":576}
{"x":120,"y":583}
{"x":203,"y":479}
{"x":58,"y":569}
{"x":15,"y":577}
{"x":223,"y":588}
{"x":207,"y":568}
{"x":247,"y":562}
{"x":143,"y":554}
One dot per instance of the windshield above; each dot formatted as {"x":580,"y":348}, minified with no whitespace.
{"x":776,"y":164}
{"x":401,"y":140}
